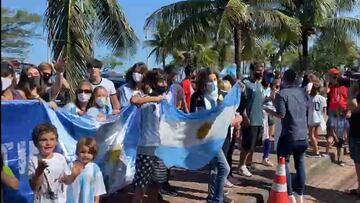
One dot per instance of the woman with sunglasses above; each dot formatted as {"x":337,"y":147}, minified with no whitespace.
{"x":82,"y":102}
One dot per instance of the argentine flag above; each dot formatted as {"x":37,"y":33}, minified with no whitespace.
{"x":191,"y":141}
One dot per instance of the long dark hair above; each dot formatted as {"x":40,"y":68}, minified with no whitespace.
{"x":151,"y":79}
{"x":128,"y":76}
{"x":202,"y":79}
{"x":24,"y":84}
{"x":6,"y":70}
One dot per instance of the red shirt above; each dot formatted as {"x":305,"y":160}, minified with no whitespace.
{"x":338,"y":98}
{"x":186,"y":85}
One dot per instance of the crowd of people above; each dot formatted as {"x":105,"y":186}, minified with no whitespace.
{"x":273,"y":105}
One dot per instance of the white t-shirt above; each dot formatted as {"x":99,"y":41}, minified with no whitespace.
{"x":108,"y":85}
{"x":87,"y":185}
{"x":57,"y":168}
{"x":315,"y":109}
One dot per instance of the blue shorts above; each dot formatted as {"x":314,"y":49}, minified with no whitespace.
{"x":354,"y":147}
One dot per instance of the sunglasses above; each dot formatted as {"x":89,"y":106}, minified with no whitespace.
{"x":84,"y":91}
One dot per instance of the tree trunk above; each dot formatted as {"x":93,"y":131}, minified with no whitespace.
{"x":305,"y":50}
{"x":237,"y":45}
{"x":275,"y":58}
{"x":163,"y":62}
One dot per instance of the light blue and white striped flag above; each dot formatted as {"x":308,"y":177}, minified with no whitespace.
{"x":192,"y":140}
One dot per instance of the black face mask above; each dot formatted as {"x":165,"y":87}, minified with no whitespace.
{"x":258,"y":76}
{"x":34,"y":81}
{"x":46,"y":78}
{"x":160,"y":90}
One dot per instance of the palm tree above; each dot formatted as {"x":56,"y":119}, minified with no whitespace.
{"x":319,"y":16}
{"x":216,"y":19}
{"x":72,"y":30}
{"x":161,"y":43}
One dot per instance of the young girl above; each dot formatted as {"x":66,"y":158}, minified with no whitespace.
{"x":48,"y":171}
{"x":149,"y":169}
{"x":134,"y":77}
{"x":89,"y":185}
{"x":316,"y":110}
{"x":83,"y":99}
{"x":100,"y":109}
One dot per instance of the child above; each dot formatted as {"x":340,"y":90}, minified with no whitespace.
{"x":149,"y":169}
{"x":339,"y":128}
{"x":89,"y":185}
{"x":316,"y":110}
{"x":100,"y":108}
{"x":48,"y":171}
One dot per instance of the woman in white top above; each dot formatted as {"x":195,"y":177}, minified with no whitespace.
{"x":316,"y":110}
{"x":134,"y":77}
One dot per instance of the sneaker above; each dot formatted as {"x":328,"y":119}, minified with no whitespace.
{"x":244,"y":171}
{"x":267,"y":162}
{"x":167,"y":189}
{"x":228,"y":184}
{"x":228,"y":199}
{"x":325,"y":155}
{"x":292,"y":199}
{"x":341,"y":163}
{"x":226,"y":192}
{"x":313,"y":155}
{"x":299,"y":199}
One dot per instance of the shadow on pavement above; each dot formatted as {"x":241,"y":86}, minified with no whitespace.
{"x":329,"y":195}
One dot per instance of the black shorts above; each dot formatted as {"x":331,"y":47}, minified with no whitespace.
{"x":252,"y":137}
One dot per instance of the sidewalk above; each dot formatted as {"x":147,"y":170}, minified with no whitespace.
{"x":192,"y":185}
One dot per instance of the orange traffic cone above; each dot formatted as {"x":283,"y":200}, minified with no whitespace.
{"x":278,"y":193}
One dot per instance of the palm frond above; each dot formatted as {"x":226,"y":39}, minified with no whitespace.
{"x":67,"y":35}
{"x":236,"y":12}
{"x":115,"y":30}
{"x":346,"y":24}
{"x":199,"y":27}
{"x":175,"y":13}
{"x":316,"y":11}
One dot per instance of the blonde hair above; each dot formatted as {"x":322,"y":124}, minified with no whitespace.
{"x":88,"y":142}
{"x":225,"y":85}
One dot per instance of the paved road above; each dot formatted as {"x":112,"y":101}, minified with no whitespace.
{"x":326,"y":185}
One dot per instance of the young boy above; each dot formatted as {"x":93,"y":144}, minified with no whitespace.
{"x":48,"y":171}
{"x":339,"y":128}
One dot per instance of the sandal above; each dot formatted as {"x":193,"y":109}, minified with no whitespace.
{"x":355,"y":192}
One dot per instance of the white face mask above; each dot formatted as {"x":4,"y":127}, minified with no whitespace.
{"x":83,"y":97}
{"x":5,"y":83}
{"x":212,"y":89}
{"x":101,"y":101}
{"x":137,"y":77}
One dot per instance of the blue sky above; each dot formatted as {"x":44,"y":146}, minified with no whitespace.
{"x":136,"y":12}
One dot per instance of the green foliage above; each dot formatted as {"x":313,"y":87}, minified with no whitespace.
{"x":17,"y":27}
{"x":162,"y":43}
{"x":329,"y":52}
{"x":74,"y":26}
{"x":112,"y":61}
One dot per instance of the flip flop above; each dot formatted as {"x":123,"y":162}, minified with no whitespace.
{"x":355,"y":192}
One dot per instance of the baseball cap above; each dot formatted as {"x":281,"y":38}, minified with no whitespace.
{"x":334,"y":71}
